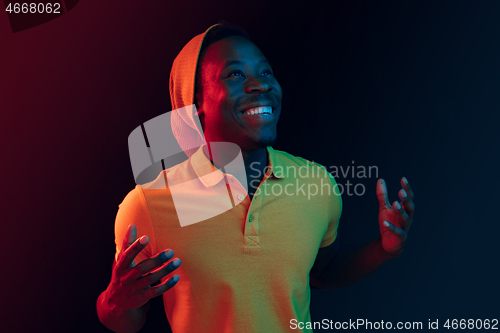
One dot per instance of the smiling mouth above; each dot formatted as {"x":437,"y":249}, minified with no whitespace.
{"x":261,"y":110}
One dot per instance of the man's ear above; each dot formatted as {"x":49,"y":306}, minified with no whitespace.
{"x":198,"y":100}
{"x":201,"y":115}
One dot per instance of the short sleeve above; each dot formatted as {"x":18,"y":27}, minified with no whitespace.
{"x":133,"y":210}
{"x":334,"y":212}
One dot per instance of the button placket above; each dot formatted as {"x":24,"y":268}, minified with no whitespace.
{"x":252,"y":227}
{"x":252,"y":233}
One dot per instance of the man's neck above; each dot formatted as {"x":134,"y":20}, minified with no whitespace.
{"x":255,"y":161}
{"x":221,"y":155}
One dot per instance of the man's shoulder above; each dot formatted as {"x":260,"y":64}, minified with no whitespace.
{"x":175,"y":173}
{"x":288,"y":160}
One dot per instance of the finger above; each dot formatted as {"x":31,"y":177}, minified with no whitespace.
{"x":128,"y":240}
{"x":398,"y":232}
{"x":147,"y":265}
{"x":161,"y":288}
{"x":382,"y":196}
{"x":130,"y":237}
{"x":408,"y":204}
{"x":158,"y":274}
{"x":406,"y":186}
{"x":405,"y":223}
{"x":127,"y":257}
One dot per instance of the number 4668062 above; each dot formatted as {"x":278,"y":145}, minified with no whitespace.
{"x":34,"y":8}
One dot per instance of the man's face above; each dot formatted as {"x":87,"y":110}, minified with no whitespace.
{"x":237,"y":80}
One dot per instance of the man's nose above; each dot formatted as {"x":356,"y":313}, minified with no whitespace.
{"x":257,"y":85}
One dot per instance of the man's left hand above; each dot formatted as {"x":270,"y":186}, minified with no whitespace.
{"x":395,"y":221}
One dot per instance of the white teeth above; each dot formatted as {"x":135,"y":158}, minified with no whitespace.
{"x":259,"y":110}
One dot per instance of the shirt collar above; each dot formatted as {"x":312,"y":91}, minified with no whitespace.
{"x":277,"y":166}
{"x":209,"y":175}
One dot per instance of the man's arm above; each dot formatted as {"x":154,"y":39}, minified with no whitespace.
{"x":123,"y":306}
{"x":339,"y":265}
{"x":131,"y":321}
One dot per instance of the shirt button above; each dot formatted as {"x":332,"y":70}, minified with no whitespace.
{"x":250,"y":218}
{"x":241,"y":196}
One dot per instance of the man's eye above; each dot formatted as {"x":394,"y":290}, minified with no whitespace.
{"x":267,"y":72}
{"x":236,"y":73}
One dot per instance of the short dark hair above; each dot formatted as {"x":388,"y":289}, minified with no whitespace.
{"x":222,"y":30}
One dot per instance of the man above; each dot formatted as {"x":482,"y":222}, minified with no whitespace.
{"x":247,"y":268}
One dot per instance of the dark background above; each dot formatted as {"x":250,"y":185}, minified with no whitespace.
{"x":411,"y":87}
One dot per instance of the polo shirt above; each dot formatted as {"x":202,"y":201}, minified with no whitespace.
{"x":246,"y":268}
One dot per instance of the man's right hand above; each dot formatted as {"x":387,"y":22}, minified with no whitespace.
{"x":130,"y":287}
